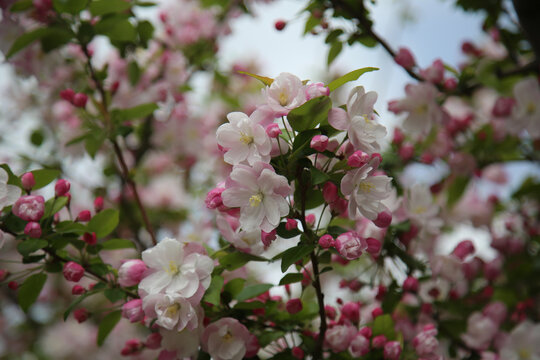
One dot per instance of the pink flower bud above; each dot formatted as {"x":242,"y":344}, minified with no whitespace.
{"x":410,"y":284}
{"x":29,"y":207}
{"x":291,"y":224}
{"x":28,"y":181}
{"x":330,"y":312}
{"x":351,"y":311}
{"x":77,"y":290}
{"x":84,"y":216}
{"x":132,"y":310}
{"x":90,"y":238}
{"x":392,"y":350}
{"x":297,"y":352}
{"x":503,"y":106}
{"x":398,"y":137}
{"x":310,"y":220}
{"x":131,"y":347}
{"x":326,"y":241}
{"x":376,"y":312}
{"x":359,"y":346}
{"x":463,"y":249}
{"x":293,"y":306}
{"x":80,"y":99}
{"x":406,"y":152}
{"x":98,"y":204}
{"x":330,"y":192}
{"x":358,"y":159}
{"x":13,"y":285}
{"x":493,"y":269}
{"x":280,"y":25}
{"x":404,"y":58}
{"x":366,"y":332}
{"x":450,"y":84}
{"x":3,"y":274}
{"x":316,"y":90}
{"x":355,"y":285}
{"x":339,"y":206}
{"x":379,"y":341}
{"x":350,"y":245}
{"x":131,"y":272}
{"x":381,"y":292}
{"x":268,"y":237}
{"x":434,"y":73}
{"x":373,"y":246}
{"x":252,"y":346}
{"x":62,"y":187}
{"x":81,"y":315}
{"x":319,"y":142}
{"x":67,"y":95}
{"x":73,"y":271}
{"x":384,"y":219}
{"x":153,"y":341}
{"x":33,"y":229}
{"x":496,"y":311}
{"x":273,"y":130}
{"x":213,"y":198}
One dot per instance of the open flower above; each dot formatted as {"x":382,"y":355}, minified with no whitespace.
{"x":244,"y":140}
{"x":173,"y":312}
{"x":259,"y":193}
{"x":8,"y":193}
{"x":175,"y":270}
{"x":285,"y":93}
{"x":226,"y":339}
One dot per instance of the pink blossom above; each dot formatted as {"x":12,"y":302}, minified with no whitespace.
{"x":73,"y":271}
{"x":480,"y":331}
{"x":28,"y":181}
{"x":434,"y":73}
{"x":81,"y":315}
{"x":405,"y":58}
{"x":522,"y":342}
{"x":213,"y":198}
{"x":359,"y":345}
{"x":330,"y":192}
{"x":384,"y":219}
{"x":33,"y":229}
{"x":351,"y":311}
{"x":291,"y":224}
{"x":373,"y":246}
{"x":153,"y":341}
{"x":496,"y":311}
{"x":315,"y":90}
{"x":379,"y":341}
{"x":285,"y":93}
{"x":273,"y":130}
{"x":131,"y":272}
{"x":173,"y":312}
{"x":392,"y":350}
{"x":319,"y":143}
{"x":247,"y":241}
{"x":463,"y":249}
{"x":293,"y":306}
{"x":339,"y":337}
{"x":260,"y":193}
{"x":350,"y":245}
{"x":132,"y":310}
{"x":425,"y":342}
{"x":326,"y":241}
{"x":29,"y":207}
{"x":226,"y":339}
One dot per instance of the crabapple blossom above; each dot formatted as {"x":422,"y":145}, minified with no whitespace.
{"x":244,"y":140}
{"x":8,"y":193}
{"x":174,"y":270}
{"x":350,"y":245}
{"x":73,"y":271}
{"x":131,"y":272}
{"x":522,"y":342}
{"x":421,"y":208}
{"x":246,"y":241}
{"x":359,"y":345}
{"x":392,"y":350}
{"x":28,"y":181}
{"x":33,"y":229}
{"x":480,"y":331}
{"x":285,"y":93}
{"x":526,"y":111}
{"x":315,"y":90}
{"x":226,"y":339}
{"x":132,"y":310}
{"x":366,"y":191}
{"x":260,"y":193}
{"x":173,"y":312}
{"x":405,"y":58}
{"x":293,"y":306}
{"x":29,"y":207}
{"x":339,"y":337}
{"x":364,"y":132}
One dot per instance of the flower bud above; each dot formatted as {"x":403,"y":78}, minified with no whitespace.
{"x":291,"y":224}
{"x":463,"y":249}
{"x":330,"y":312}
{"x":132,"y":310}
{"x":29,"y":207}
{"x":373,"y":246}
{"x":62,"y":187}
{"x":376,"y":312}
{"x":359,"y":346}
{"x":67,"y":95}
{"x":310,"y":220}
{"x":406,"y":152}
{"x":280,"y":25}
{"x":213,"y":198}
{"x":450,"y":84}
{"x":84,"y":216}
{"x":410,"y":284}
{"x":153,"y":341}
{"x":273,"y":130}
{"x":404,"y":58}
{"x":392,"y":350}
{"x":77,"y":290}
{"x":297,"y":352}
{"x":13,"y":285}
{"x":358,"y":159}
{"x":379,"y":341}
{"x":73,"y":271}
{"x":350,"y":245}
{"x":351,"y":311}
{"x":81,"y":315}
{"x":268,"y":237}
{"x":33,"y":230}
{"x":131,"y":347}
{"x":398,"y":137}
{"x":80,"y":99}
{"x":98,"y":204}
{"x":330,"y":192}
{"x":293,"y":306}
{"x":28,"y":181}
{"x":316,"y":90}
{"x":366,"y":332}
{"x":131,"y":272}
{"x":384,"y":219}
{"x":326,"y":241}
{"x":319,"y":143}
{"x":90,"y":238}
{"x":3,"y":274}
{"x":503,"y":106}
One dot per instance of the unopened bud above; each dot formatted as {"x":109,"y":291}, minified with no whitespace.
{"x":28,"y":181}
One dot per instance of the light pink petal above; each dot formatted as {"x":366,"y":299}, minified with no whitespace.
{"x":338,"y":118}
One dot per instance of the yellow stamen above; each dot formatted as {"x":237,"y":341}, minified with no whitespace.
{"x":246,"y":139}
{"x":173,"y":268}
{"x":422,"y":109}
{"x":531,"y":107}
{"x":255,"y":200}
{"x":366,"y":118}
{"x":283,"y":99}
{"x":524,"y":354}
{"x":366,"y":187}
{"x":172,"y":310}
{"x":227,"y":336}
{"x":420,"y":210}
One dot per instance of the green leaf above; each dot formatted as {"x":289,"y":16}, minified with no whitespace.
{"x":78,"y":300}
{"x":333,"y":35}
{"x":93,"y":141}
{"x":234,"y":287}
{"x":310,"y":114}
{"x":70,"y":227}
{"x":145,"y":29}
{"x":106,"y":325}
{"x":292,"y":255}
{"x":252,"y":291}
{"x":318,"y":177}
{"x":104,"y":222}
{"x":115,"y":244}
{"x":54,"y":205}
{"x":12,"y":178}
{"x":351,"y":76}
{"x":267,"y":337}
{"x":44,"y":177}
{"x":311,"y":23}
{"x":236,"y":260}
{"x":213,"y":294}
{"x":137,"y":112}
{"x":26,"y":39}
{"x":334,"y":51}
{"x":70,"y":6}
{"x":117,"y":29}
{"x":134,"y":73}
{"x":249,"y":305}
{"x":265,"y":80}
{"x":114,"y":295}
{"x":21,"y":5}
{"x":28,"y":246}
{"x":102,"y":7}
{"x":291,"y":278}
{"x":384,"y":325}
{"x":456,"y":190}
{"x":56,"y":39}
{"x":287,"y":234}
{"x":30,"y":289}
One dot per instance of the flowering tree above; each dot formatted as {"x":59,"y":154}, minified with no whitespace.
{"x":297,"y":181}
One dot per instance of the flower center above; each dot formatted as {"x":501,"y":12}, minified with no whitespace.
{"x":255,"y":200}
{"x":366,"y":119}
{"x":228,"y":336}
{"x":283,"y":99}
{"x":420,"y":210}
{"x":531,"y":107}
{"x":245,"y":138}
{"x":172,"y":310}
{"x":524,"y":354}
{"x":422,"y":109}
{"x":365,"y":187}
{"x":173,"y":268}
